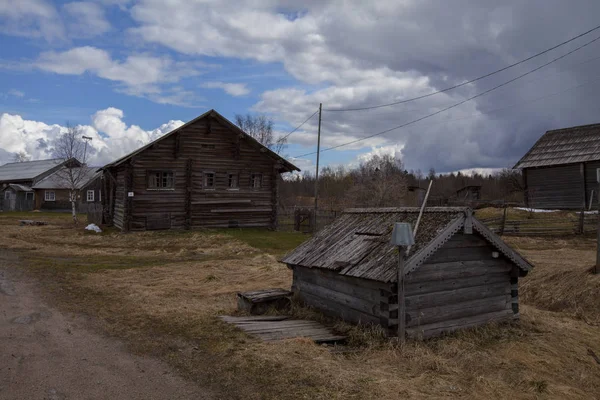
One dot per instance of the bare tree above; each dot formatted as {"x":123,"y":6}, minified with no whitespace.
{"x":261,"y":128}
{"x":21,"y":156}
{"x":71,"y":147}
{"x":378,"y":182}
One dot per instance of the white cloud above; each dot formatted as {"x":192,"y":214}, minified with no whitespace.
{"x":233,"y":89}
{"x":392,"y":150}
{"x":86,"y":19}
{"x":112,"y":138}
{"x":16,"y":93}
{"x":30,"y":18}
{"x":139,"y":75}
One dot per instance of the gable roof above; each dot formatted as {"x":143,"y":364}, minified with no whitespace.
{"x":57,"y":181}
{"x":357,"y":243}
{"x":564,"y":146}
{"x":288,"y":167}
{"x":27,"y":171}
{"x":19,"y":188}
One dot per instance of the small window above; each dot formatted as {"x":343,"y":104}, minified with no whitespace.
{"x":49,"y":195}
{"x":209,"y":180}
{"x":29,"y":196}
{"x":90,"y":195}
{"x":7,"y":195}
{"x":256,"y":181}
{"x":161,"y":180}
{"x":232,"y":181}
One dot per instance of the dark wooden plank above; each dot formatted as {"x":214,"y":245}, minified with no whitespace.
{"x":333,"y":309}
{"x":344,"y":300}
{"x":447,"y":326}
{"x":457,"y":296}
{"x":255,"y":318}
{"x":361,"y":288}
{"x":457,"y":269}
{"x":425,"y":316}
{"x":434,"y":286}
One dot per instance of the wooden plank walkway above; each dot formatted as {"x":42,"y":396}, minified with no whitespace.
{"x":273,"y":328}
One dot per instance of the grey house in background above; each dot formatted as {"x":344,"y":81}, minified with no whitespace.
{"x":458,"y":274}
{"x":559,"y":171}
{"x":17,"y":178}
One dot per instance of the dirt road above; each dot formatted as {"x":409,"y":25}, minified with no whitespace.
{"x":45,"y":354}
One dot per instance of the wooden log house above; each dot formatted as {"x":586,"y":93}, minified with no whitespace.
{"x":206,"y":173}
{"x":559,"y":171}
{"x":458,"y":274}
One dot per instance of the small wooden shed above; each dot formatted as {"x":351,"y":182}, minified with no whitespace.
{"x":458,"y":274}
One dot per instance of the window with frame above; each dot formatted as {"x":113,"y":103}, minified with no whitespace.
{"x":90,"y":195}
{"x":29,"y":196}
{"x":49,"y":195}
{"x":232,"y":181}
{"x":256,"y":181}
{"x":161,"y":180}
{"x":209,"y":180}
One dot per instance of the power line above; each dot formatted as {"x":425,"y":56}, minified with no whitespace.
{"x":299,"y":126}
{"x":456,"y":104}
{"x":464,"y":83}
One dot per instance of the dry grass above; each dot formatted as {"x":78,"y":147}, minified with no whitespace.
{"x":562,"y":280}
{"x":163,"y":297}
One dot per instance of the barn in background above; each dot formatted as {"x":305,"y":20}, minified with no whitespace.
{"x":457,"y":275}
{"x":207,"y":173}
{"x":559,"y":171}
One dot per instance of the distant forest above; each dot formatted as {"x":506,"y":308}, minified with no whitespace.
{"x":383,"y":182}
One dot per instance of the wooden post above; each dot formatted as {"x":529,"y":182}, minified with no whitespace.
{"x":503,"y":221}
{"x":597,"y":266}
{"x":317,"y":170}
{"x":401,"y":302}
{"x":188,"y":193}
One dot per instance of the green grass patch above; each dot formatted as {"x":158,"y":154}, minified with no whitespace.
{"x":274,"y":242}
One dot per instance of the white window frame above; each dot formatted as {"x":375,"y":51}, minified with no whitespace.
{"x":237,"y":181}
{"x":252,"y":180}
{"x":7,"y":195}
{"x":90,"y":199}
{"x":49,"y":195}
{"x":205,"y":180}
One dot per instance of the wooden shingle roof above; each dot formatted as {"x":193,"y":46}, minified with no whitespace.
{"x":357,"y":243}
{"x":564,"y":146}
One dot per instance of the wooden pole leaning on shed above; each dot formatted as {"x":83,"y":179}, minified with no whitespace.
{"x":420,"y":214}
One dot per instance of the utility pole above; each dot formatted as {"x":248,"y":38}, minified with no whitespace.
{"x":86,"y":140}
{"x":317,"y":170}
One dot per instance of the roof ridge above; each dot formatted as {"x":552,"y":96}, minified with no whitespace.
{"x":573,"y":127}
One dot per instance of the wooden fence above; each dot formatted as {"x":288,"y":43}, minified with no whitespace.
{"x":301,"y":219}
{"x":514,"y":222}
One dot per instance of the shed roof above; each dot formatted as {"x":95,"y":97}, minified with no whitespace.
{"x":288,"y":166}
{"x":564,"y":146}
{"x":357,"y":243}
{"x":19,"y":188}
{"x":56,"y":180}
{"x":29,"y":170}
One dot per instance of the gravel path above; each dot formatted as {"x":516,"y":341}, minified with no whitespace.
{"x":45,"y":354}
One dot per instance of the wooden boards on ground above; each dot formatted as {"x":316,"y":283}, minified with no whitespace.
{"x":273,"y":328}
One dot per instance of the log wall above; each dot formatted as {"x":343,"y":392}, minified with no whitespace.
{"x":460,"y":286}
{"x":205,"y":146}
{"x":351,"y":299}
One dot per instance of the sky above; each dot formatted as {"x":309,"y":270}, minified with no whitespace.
{"x":129,"y":71}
